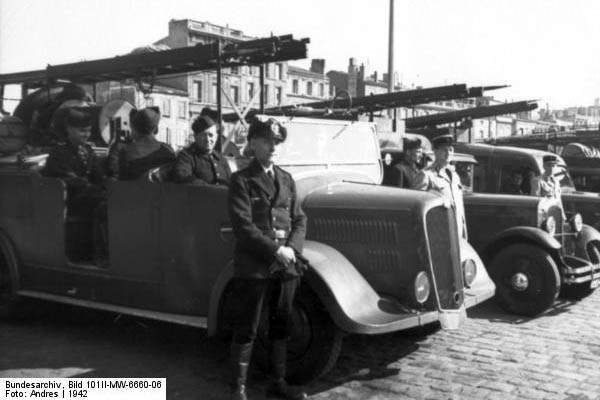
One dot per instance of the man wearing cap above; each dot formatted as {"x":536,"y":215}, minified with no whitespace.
{"x":201,"y":163}
{"x":408,"y":171}
{"x":74,"y":161}
{"x":442,"y":178}
{"x":269,"y":226}
{"x":547,"y":184}
{"x":134,"y":160}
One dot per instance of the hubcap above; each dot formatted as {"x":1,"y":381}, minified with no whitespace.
{"x":520,"y":282}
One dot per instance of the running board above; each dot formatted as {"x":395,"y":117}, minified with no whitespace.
{"x":188,"y":320}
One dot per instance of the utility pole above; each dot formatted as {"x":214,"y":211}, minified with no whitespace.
{"x":391,"y":60}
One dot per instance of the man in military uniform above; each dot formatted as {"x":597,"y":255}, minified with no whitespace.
{"x":409,"y":171}
{"x":547,"y":184}
{"x":134,"y":160}
{"x":269,"y":227}
{"x":201,"y":163}
{"x":74,"y":161}
{"x":442,"y":178}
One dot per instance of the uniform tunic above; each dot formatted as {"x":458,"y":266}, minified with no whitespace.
{"x":79,"y":168}
{"x":132,"y":160}
{"x":199,"y":167}
{"x":265,"y":215}
{"x":446,"y":182}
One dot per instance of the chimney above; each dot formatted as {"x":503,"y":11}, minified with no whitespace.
{"x":317,"y":65}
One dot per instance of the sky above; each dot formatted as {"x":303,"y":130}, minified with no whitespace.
{"x":545,"y":49}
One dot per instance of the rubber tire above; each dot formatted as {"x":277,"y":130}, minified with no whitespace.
{"x":541,"y":270}
{"x":315,"y":343}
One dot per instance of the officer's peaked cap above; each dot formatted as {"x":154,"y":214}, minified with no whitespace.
{"x":442,"y":140}
{"x":550,"y":158}
{"x":269,"y":129}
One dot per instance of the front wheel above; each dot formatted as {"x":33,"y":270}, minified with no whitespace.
{"x":526,"y":277}
{"x":314,"y":344}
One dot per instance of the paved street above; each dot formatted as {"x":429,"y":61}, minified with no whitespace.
{"x":495,"y":356}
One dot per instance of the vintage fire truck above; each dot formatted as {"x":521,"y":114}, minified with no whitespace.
{"x":381,"y":259}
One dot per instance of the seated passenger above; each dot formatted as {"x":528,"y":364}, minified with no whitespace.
{"x":513,"y":184}
{"x":200,"y":163}
{"x":74,"y":161}
{"x":129,"y":161}
{"x":228,"y":148}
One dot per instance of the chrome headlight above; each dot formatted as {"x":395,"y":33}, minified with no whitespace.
{"x":469,"y":271}
{"x":576,"y":222}
{"x":422,"y":287}
{"x":549,"y":225}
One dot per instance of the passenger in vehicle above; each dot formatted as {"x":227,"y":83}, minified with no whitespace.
{"x":201,"y":163}
{"x":441,"y":177}
{"x":74,"y":161}
{"x":513,"y":184}
{"x":134,"y":160}
{"x":269,"y":226}
{"x":409,"y":171}
{"x":225,"y":146}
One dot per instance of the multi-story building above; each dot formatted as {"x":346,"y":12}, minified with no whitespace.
{"x":306,"y":85}
{"x":239,"y":84}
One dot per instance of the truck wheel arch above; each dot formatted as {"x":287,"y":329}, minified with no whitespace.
{"x":342,"y":290}
{"x":521,"y":234}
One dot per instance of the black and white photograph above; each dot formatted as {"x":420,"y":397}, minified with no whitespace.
{"x":327,"y":200}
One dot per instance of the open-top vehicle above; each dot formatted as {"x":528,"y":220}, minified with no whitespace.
{"x":381,"y":259}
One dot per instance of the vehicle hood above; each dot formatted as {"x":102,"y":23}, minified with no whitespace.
{"x":362,"y":196}
{"x":501,"y":199}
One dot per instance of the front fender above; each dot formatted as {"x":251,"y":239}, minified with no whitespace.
{"x":520,"y":234}
{"x":587,"y":235}
{"x":350,"y":300}
{"x":482,"y":287}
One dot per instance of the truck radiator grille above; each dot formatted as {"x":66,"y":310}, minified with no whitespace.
{"x":445,"y":258}
{"x":354,"y":230}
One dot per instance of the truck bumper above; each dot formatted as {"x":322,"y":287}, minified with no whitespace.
{"x":577,"y":271}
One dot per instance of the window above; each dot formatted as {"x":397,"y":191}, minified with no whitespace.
{"x":309,"y":88}
{"x":321,"y":90}
{"x":266,"y":94}
{"x":197,"y":90}
{"x":267,"y":70}
{"x":295,"y":86}
{"x":234,"y":93}
{"x":181,"y":110}
{"x":278,"y":93}
{"x":279,"y":71}
{"x":250,"y":91}
{"x":235,"y":70}
{"x":166,"y":108}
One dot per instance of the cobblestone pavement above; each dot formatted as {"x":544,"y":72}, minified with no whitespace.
{"x":494,"y":356}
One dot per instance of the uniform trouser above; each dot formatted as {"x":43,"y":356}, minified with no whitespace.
{"x":252,"y":295}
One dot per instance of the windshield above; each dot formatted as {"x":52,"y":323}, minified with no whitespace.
{"x":328,"y":142}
